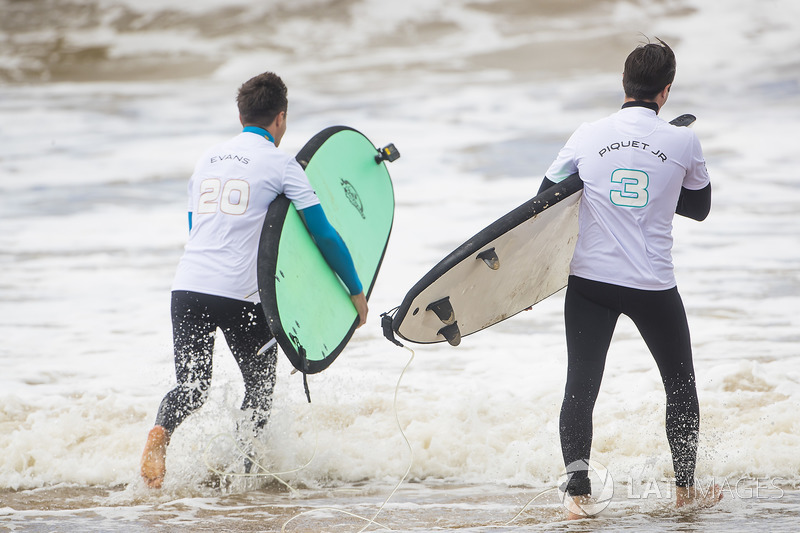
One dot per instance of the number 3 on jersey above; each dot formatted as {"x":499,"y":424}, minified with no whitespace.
{"x":632,"y":190}
{"x":233,"y":200}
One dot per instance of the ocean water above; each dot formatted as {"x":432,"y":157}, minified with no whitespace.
{"x":104,"y":106}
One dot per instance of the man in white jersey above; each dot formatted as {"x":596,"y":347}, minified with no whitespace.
{"x":637,"y":171}
{"x":231,"y":189}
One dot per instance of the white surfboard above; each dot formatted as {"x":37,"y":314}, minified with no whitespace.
{"x":512,"y":264}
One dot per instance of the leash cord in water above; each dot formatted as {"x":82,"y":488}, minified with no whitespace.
{"x":527,"y":504}
{"x":371,"y":521}
{"x":264,"y":472}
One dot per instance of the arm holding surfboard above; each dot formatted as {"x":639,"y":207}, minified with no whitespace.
{"x":694,"y":204}
{"x":335,"y":252}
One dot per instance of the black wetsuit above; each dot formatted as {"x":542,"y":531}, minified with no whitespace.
{"x":637,"y":173}
{"x":591,"y":311}
{"x":195,"y":319}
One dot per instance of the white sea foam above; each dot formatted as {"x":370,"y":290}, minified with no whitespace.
{"x":93,"y":176}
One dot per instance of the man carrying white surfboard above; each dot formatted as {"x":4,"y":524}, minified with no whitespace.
{"x":638,"y":171}
{"x":215,"y":286}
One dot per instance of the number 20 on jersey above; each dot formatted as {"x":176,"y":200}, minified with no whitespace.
{"x":231,"y":199}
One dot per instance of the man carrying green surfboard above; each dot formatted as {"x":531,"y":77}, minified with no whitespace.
{"x":215,"y":286}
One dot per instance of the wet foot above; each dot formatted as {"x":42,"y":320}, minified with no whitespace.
{"x":154,"y":457}
{"x":575,"y":507}
{"x":686,"y":496}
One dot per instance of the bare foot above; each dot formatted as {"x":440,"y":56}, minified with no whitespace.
{"x":154,"y":457}
{"x":692,"y":496}
{"x":576,"y":507}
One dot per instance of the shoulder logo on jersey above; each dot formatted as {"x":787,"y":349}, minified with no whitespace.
{"x":352,"y":195}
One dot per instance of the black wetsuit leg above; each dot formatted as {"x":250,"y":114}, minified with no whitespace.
{"x":589,"y":325}
{"x":193,"y":331}
{"x":246,"y":332}
{"x":591,"y":312}
{"x":661,"y":320}
{"x":195,"y":318}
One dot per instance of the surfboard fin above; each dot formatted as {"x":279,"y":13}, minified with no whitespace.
{"x":490,"y":258}
{"x":444,"y":310}
{"x":452,"y":334}
{"x":387,"y":153}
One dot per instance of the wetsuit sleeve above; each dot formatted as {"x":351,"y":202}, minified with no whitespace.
{"x":695,"y":198}
{"x":694,"y":204}
{"x":332,"y":246}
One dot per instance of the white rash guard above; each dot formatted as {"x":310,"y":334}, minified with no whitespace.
{"x":633,"y":165}
{"x":230,"y":190}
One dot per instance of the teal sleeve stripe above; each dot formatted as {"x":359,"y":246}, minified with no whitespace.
{"x":332,"y":246}
{"x":190,"y":221}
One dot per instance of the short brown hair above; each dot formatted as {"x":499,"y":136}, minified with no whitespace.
{"x":261,"y":98}
{"x":648,"y":69}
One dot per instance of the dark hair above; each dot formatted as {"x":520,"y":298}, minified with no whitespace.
{"x":648,"y":69}
{"x":261,"y":98}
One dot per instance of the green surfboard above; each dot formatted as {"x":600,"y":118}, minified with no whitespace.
{"x":308,"y":308}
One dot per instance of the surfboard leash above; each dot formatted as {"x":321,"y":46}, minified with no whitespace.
{"x":301,"y":351}
{"x":388,"y":330}
{"x":371,"y":521}
{"x":305,"y":373}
